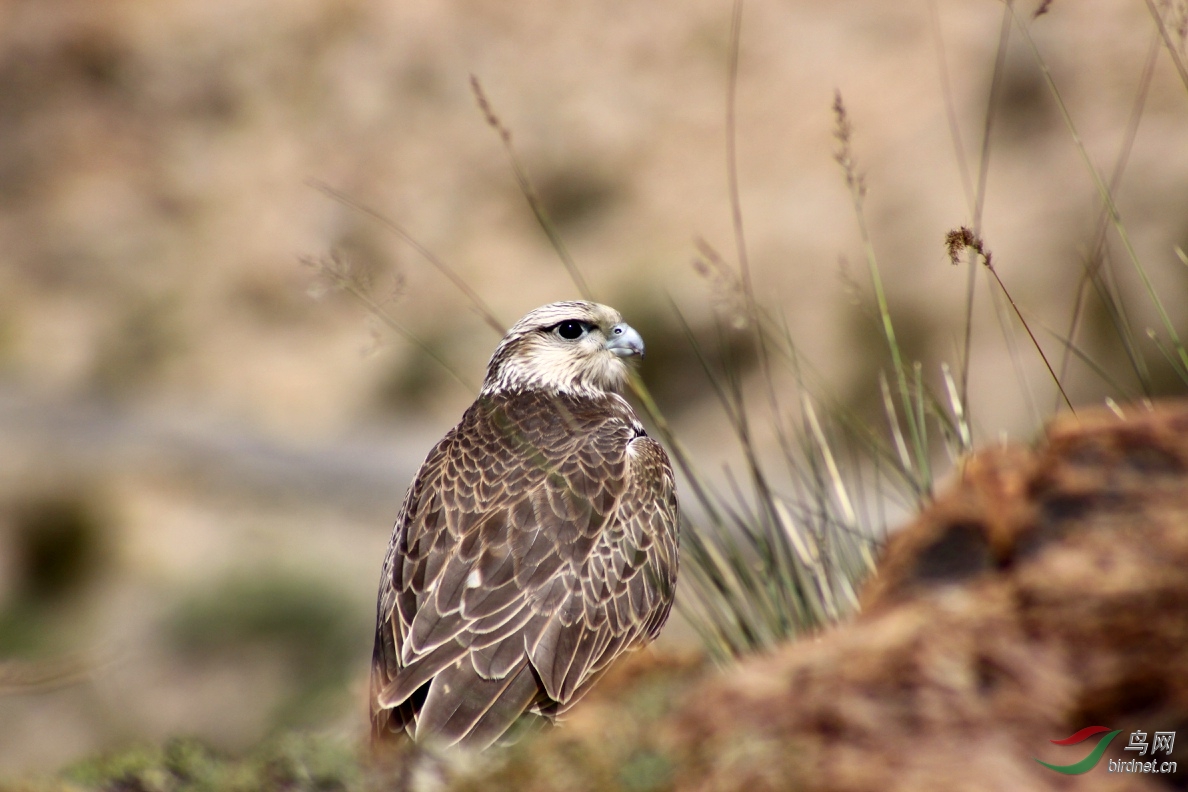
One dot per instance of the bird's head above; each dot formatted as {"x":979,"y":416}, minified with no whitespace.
{"x":564,"y":347}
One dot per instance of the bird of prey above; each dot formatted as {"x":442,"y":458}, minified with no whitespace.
{"x":538,"y":541}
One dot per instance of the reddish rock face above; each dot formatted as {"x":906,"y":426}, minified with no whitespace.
{"x":1044,"y":591}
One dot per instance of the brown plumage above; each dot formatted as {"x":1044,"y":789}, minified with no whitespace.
{"x":537,"y":542}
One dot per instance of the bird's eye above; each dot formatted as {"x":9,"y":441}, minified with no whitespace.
{"x":572,"y":329}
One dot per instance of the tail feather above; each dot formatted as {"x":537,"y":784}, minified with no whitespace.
{"x":522,"y":692}
{"x":464,"y":709}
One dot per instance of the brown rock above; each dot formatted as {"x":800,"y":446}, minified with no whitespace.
{"x":1045,"y":591}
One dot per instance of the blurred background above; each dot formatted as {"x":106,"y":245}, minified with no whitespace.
{"x":203,"y":443}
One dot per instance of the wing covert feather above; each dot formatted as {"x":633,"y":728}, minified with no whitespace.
{"x":537,"y":542}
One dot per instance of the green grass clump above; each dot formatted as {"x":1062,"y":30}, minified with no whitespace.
{"x":293,"y":762}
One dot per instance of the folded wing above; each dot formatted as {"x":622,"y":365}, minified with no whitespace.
{"x":537,"y":543}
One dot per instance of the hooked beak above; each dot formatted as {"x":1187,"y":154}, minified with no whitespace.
{"x":623,"y":341}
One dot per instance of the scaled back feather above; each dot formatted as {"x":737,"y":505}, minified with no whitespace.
{"x":537,"y":543}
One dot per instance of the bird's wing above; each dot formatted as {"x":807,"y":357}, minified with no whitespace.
{"x":624,"y":593}
{"x":532,"y":547}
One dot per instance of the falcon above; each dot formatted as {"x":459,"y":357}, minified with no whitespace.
{"x":537,"y":543}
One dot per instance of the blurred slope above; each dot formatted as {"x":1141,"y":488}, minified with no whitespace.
{"x":169,"y":389}
{"x":234,"y":572}
{"x":155,"y":159}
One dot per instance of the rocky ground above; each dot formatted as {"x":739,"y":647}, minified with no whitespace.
{"x":1042,"y":593}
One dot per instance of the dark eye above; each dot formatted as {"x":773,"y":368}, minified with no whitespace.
{"x":572,"y":329}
